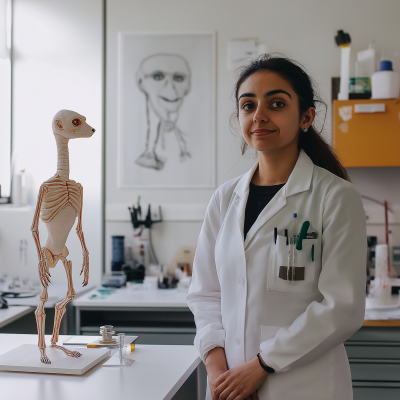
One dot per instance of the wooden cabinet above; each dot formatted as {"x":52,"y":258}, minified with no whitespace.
{"x":366,"y":138}
{"x":374,"y":356}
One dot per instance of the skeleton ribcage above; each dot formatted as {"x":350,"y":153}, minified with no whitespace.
{"x":59,"y":195}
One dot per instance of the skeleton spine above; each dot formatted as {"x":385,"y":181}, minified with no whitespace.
{"x":62,"y":156}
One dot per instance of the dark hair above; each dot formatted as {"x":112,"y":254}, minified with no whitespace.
{"x":311,"y":142}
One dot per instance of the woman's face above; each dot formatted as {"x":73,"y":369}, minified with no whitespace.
{"x":269,"y":113}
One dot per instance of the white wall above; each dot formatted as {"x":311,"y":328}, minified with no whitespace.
{"x":57,"y":65}
{"x":303,"y":30}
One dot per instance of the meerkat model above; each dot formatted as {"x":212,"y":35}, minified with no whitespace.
{"x":59,"y":203}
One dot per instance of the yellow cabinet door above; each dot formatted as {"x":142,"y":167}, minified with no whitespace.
{"x":367,"y":139}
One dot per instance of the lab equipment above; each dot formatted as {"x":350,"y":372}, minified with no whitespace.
{"x":396,"y":259}
{"x":184,"y":256}
{"x":150,"y":282}
{"x":343,"y":40}
{"x":385,"y":204}
{"x":139,"y":224}
{"x":365,"y":67}
{"x":380,"y":290}
{"x":106,"y":332}
{"x":116,"y":279}
{"x":134,"y":273}
{"x":118,"y":360}
{"x":392,"y":272}
{"x":128,"y":341}
{"x":3,"y":302}
{"x":385,"y":83}
{"x":121,"y":345}
{"x":118,"y":253}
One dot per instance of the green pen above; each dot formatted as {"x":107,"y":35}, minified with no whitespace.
{"x":302,"y":235}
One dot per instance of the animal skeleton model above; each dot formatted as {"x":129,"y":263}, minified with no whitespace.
{"x":59,"y":203}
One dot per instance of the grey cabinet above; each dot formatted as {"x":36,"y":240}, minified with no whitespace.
{"x":374,"y":356}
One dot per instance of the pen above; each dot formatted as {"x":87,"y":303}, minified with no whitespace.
{"x":275,"y":234}
{"x":302,"y":235}
{"x":312,"y":253}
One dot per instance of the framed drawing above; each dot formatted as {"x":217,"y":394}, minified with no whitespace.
{"x":166,"y":127}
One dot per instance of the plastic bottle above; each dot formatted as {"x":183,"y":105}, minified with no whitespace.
{"x":385,"y":83}
{"x":365,"y":67}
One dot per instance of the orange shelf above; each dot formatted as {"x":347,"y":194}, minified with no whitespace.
{"x":386,"y":322}
{"x":367,"y":139}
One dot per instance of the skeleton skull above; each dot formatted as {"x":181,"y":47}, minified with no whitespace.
{"x":71,"y":125}
{"x":165,"y":80}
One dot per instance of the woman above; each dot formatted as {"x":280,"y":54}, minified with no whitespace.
{"x":262,"y":331}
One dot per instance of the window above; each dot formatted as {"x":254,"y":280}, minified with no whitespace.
{"x":5,"y":99}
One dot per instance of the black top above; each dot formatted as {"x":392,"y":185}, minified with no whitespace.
{"x":259,"y":197}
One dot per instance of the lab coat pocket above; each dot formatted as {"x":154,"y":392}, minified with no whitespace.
{"x":279,"y":258}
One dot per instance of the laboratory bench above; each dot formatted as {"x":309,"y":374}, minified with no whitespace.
{"x":158,"y":316}
{"x":374,"y":354}
{"x":160,"y":372}
{"x":19,"y":316}
{"x":12,"y":313}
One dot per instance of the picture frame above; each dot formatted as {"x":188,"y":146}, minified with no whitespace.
{"x":166,"y":110}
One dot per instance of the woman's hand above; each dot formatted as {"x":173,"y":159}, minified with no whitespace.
{"x":216,"y":366}
{"x":239,"y":383}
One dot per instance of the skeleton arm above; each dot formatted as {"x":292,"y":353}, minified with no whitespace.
{"x":43,"y":268}
{"x":85,"y":264}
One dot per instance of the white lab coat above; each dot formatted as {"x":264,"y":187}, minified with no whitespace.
{"x":240,"y":303}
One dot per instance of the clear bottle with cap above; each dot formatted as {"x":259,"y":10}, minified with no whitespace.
{"x":385,"y":83}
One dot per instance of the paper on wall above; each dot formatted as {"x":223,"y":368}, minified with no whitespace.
{"x":241,"y":52}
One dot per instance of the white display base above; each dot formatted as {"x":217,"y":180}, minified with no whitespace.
{"x":26,"y":358}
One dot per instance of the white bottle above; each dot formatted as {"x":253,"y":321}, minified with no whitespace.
{"x":385,"y":83}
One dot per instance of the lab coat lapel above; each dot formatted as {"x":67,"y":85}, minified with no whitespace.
{"x":299,"y":181}
{"x":276,"y":204}
{"x":241,"y":194}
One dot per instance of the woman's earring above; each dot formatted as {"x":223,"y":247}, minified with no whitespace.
{"x":305,"y":130}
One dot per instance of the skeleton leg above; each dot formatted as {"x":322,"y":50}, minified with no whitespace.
{"x":60,"y":311}
{"x":184,"y":153}
{"x":40,"y":320}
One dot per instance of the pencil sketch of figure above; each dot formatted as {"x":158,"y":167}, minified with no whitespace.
{"x":165,"y":81}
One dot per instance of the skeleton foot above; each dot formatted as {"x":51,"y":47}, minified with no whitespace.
{"x":185,"y":155}
{"x":150,"y":160}
{"x":43,"y":358}
{"x":66,"y":351}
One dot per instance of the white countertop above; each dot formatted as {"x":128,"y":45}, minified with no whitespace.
{"x":389,"y":311}
{"x":127,"y":297}
{"x":158,"y":374}
{"x":12,"y":313}
{"x":56,"y":291}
